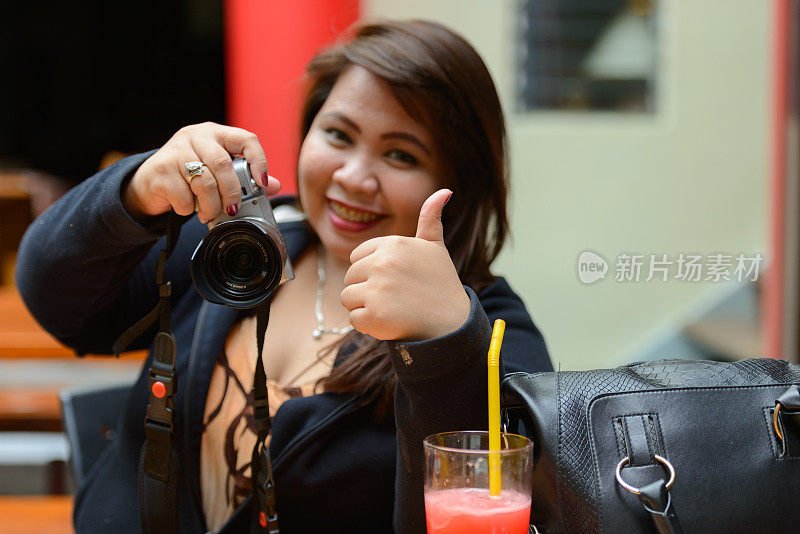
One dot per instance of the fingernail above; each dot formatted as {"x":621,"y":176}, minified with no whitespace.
{"x":232,"y":210}
{"x":448,"y":199}
{"x":264,"y":179}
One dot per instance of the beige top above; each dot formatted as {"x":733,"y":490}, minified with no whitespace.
{"x":227,"y":444}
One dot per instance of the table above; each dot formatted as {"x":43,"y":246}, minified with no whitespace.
{"x":51,"y":514}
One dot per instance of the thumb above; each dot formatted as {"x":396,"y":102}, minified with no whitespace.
{"x":429,"y":226}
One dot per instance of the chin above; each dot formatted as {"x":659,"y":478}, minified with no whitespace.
{"x":337,"y":245}
{"x":340,"y":242}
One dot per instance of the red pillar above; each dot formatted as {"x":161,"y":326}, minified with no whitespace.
{"x":267,"y":46}
{"x":772,"y":301}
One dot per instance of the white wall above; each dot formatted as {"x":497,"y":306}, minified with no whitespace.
{"x":690,"y":178}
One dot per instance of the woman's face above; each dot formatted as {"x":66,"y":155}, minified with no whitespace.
{"x":366,"y":166}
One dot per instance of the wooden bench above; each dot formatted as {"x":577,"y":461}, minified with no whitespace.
{"x":51,"y":514}
{"x":35,"y":367}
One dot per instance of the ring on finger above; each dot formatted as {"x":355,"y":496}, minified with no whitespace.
{"x":193,"y":168}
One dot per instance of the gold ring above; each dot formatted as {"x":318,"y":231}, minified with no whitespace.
{"x":193,"y":168}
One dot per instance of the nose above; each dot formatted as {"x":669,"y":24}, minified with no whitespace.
{"x":356,"y":176}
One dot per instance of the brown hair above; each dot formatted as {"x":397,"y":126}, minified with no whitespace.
{"x":442,"y":83}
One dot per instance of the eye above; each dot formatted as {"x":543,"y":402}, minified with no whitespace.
{"x":401,"y":156}
{"x":338,"y":136}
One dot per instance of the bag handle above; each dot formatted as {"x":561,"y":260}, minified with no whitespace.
{"x":655,"y":497}
{"x":642,"y":445}
{"x":787,"y":404}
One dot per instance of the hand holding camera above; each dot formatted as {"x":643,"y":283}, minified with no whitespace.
{"x":162,"y":182}
{"x":242,"y":259}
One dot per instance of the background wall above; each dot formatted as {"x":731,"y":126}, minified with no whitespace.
{"x":691,"y":178}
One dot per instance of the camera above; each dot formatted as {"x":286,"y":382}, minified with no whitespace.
{"x":242,"y":259}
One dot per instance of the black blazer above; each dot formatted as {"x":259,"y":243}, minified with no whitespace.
{"x":85,"y":270}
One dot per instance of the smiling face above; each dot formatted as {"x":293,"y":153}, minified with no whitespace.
{"x":366,"y":166}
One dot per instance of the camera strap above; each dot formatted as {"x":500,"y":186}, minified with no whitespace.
{"x":265,"y":520}
{"x":158,"y":460}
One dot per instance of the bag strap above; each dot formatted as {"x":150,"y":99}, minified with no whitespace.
{"x":656,"y":500}
{"x":787,"y":405}
{"x":643,"y":446}
{"x":158,"y":460}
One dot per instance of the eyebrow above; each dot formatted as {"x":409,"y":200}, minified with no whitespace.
{"x":391,"y":135}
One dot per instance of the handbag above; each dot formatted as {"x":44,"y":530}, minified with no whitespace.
{"x":666,"y":446}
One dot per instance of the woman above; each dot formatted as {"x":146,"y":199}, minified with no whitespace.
{"x":396,"y":124}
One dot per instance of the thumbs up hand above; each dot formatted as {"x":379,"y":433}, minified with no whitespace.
{"x":407,"y":288}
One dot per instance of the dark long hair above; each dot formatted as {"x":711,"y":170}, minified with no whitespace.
{"x":442,"y":83}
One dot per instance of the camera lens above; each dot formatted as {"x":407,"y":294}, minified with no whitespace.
{"x":237,"y":264}
{"x":239,"y":261}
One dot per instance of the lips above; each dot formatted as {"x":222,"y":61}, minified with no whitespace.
{"x":350,"y":218}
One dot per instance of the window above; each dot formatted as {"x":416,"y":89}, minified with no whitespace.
{"x":587,"y":55}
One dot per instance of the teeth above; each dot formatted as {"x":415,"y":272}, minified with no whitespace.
{"x":352,"y":215}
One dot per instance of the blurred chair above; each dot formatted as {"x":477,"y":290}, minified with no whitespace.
{"x":89,"y":415}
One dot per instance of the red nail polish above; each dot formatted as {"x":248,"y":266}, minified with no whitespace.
{"x":448,"y":199}
{"x":232,"y":210}
{"x":264,"y":179}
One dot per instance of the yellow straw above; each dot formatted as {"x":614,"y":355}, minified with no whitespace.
{"x":494,"y":405}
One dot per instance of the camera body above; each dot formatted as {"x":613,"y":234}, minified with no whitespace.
{"x":242,"y":259}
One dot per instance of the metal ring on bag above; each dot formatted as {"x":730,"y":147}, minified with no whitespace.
{"x":775,"y":413}
{"x":636,"y":491}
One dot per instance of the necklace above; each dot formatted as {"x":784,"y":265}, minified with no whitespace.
{"x":320,"y":330}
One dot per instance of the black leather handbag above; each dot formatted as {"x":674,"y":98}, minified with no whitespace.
{"x":666,"y":446}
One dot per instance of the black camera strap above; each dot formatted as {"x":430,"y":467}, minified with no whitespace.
{"x":265,"y":520}
{"x":158,"y":459}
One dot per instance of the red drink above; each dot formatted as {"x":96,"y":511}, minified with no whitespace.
{"x":474,"y":511}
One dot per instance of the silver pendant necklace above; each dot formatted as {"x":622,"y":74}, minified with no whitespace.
{"x":320,"y":330}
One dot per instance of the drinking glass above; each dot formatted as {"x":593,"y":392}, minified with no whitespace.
{"x":457,"y":494}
